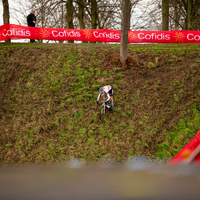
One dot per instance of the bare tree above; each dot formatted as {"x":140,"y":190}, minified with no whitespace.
{"x":94,"y":14}
{"x":109,"y":14}
{"x":69,"y":18}
{"x":190,"y":13}
{"x":6,"y":14}
{"x":147,"y":16}
{"x":151,"y":18}
{"x":124,"y":31}
{"x":70,"y":12}
{"x":165,"y":15}
{"x":176,"y":15}
{"x":80,"y":12}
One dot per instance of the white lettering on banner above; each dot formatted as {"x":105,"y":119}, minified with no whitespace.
{"x":9,"y":32}
{"x":191,"y":36}
{"x":15,"y":32}
{"x":66,"y":34}
{"x":110,"y":35}
{"x":152,"y":36}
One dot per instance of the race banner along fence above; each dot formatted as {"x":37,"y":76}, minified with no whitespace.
{"x":189,"y":153}
{"x":11,"y":31}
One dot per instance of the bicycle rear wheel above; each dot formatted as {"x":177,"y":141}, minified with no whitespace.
{"x":103,"y":113}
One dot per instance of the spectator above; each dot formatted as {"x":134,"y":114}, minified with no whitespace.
{"x":31,"y":20}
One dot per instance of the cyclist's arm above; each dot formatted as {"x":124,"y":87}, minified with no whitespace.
{"x":98,"y":97}
{"x":108,"y":97}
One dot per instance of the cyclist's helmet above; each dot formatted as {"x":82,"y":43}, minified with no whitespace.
{"x":101,"y":90}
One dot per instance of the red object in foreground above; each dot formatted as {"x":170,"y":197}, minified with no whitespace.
{"x":11,"y":31}
{"x":190,"y":153}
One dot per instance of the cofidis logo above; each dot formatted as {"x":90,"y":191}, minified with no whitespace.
{"x":153,"y":36}
{"x":16,"y":32}
{"x":65,"y":33}
{"x":106,"y":34}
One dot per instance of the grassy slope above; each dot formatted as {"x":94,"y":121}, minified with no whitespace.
{"x":48,"y":110}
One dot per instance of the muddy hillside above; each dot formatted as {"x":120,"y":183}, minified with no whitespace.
{"x":48,"y":110}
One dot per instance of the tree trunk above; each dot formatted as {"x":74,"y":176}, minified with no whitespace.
{"x":129,"y":17}
{"x":70,"y":12}
{"x":176,"y":16}
{"x":6,"y":14}
{"x":124,"y":32}
{"x":189,"y":15}
{"x":94,"y":14}
{"x":81,"y":14}
{"x":165,"y":15}
{"x":186,"y":24}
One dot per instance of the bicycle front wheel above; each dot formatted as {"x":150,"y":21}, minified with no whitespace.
{"x":103,"y":113}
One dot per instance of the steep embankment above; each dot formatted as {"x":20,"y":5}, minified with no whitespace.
{"x":48,"y":108}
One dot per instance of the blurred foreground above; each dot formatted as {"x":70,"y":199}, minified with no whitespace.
{"x":135,"y":180}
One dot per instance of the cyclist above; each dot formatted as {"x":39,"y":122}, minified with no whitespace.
{"x":106,"y":90}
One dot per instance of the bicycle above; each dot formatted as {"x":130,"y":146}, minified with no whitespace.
{"x":105,"y":106}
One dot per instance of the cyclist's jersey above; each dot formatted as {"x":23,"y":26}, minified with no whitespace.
{"x":106,"y":89}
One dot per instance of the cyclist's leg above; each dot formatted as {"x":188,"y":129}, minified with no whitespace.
{"x":111,"y":97}
{"x":112,"y":103}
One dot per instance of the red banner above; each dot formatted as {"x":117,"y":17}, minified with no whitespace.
{"x":190,"y":147}
{"x":10,"y":31}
